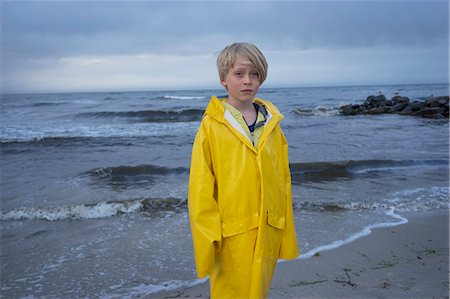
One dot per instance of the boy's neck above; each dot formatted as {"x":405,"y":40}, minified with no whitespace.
{"x":240,"y":105}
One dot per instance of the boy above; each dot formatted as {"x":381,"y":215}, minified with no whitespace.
{"x":239,"y":200}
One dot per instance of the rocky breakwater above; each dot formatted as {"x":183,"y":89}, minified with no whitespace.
{"x":433,"y":107}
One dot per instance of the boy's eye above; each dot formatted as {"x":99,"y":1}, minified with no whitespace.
{"x":240,"y":73}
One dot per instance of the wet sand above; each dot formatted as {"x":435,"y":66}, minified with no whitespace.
{"x":405,"y":261}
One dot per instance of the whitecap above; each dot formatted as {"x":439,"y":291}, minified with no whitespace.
{"x":184,"y":97}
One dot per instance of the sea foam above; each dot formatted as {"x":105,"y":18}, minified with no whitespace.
{"x":78,"y":212}
{"x":94,"y":211}
{"x":364,"y":232}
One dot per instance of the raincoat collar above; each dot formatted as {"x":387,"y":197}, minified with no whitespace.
{"x":217,"y":111}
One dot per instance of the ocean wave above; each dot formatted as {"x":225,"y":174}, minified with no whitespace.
{"x":414,"y":200}
{"x":421,"y":199}
{"x":182,"y":115}
{"x":328,"y":171}
{"x":184,"y":97}
{"x":62,"y":141}
{"x":125,"y":177}
{"x":317,"y":111}
{"x":135,"y":170}
{"x":340,"y":206}
{"x":411,"y":200}
{"x":47,"y":133}
{"x":301,"y":172}
{"x":10,"y":104}
{"x":94,"y":211}
{"x":45,"y":104}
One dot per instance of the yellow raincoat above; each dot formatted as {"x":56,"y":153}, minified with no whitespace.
{"x":240,"y":204}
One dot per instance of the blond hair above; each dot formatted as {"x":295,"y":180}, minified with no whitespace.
{"x":227,"y":58}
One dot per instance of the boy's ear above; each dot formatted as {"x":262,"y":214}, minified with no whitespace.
{"x":224,"y":84}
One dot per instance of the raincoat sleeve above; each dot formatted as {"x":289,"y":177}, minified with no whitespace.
{"x":203,"y":209}
{"x":289,"y":245}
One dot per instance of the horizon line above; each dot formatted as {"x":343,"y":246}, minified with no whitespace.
{"x":213,"y":88}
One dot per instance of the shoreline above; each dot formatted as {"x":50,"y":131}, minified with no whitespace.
{"x":403,"y":260}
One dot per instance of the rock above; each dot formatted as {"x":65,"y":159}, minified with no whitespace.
{"x":348,"y":110}
{"x":400,"y":99}
{"x":442,"y":100}
{"x":440,"y":116}
{"x":429,"y":101}
{"x":382,"y":104}
{"x":431,"y":112}
{"x":416,"y":105}
{"x":399,"y":106}
{"x":378,"y":110}
{"x":374,"y":101}
{"x":408,"y":110}
{"x":437,"y":102}
{"x":433,"y":107}
{"x":362,"y":109}
{"x":434,"y":104}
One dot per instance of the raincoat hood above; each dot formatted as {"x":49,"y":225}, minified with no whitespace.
{"x":216,"y":110}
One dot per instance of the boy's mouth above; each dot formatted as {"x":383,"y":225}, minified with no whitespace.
{"x":247,"y":90}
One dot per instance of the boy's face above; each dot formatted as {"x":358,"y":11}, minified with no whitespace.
{"x":241,"y":81}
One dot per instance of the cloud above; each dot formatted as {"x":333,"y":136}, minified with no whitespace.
{"x":102,"y":28}
{"x":372,"y":65}
{"x":100,"y":45}
{"x":113,"y":72}
{"x":358,"y":66}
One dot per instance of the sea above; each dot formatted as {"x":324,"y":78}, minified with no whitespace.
{"x":94,"y":185}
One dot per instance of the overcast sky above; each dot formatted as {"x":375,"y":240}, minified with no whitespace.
{"x":144,"y":45}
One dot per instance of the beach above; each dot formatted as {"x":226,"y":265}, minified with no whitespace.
{"x":94,"y":190}
{"x":405,"y":261}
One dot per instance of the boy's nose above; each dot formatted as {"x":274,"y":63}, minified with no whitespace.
{"x":247,"y":79}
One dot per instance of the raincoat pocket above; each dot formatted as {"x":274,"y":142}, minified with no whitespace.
{"x":238,"y":242}
{"x":239,"y":226}
{"x":238,"y":251}
{"x":275,"y":220}
{"x":272,"y":235}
